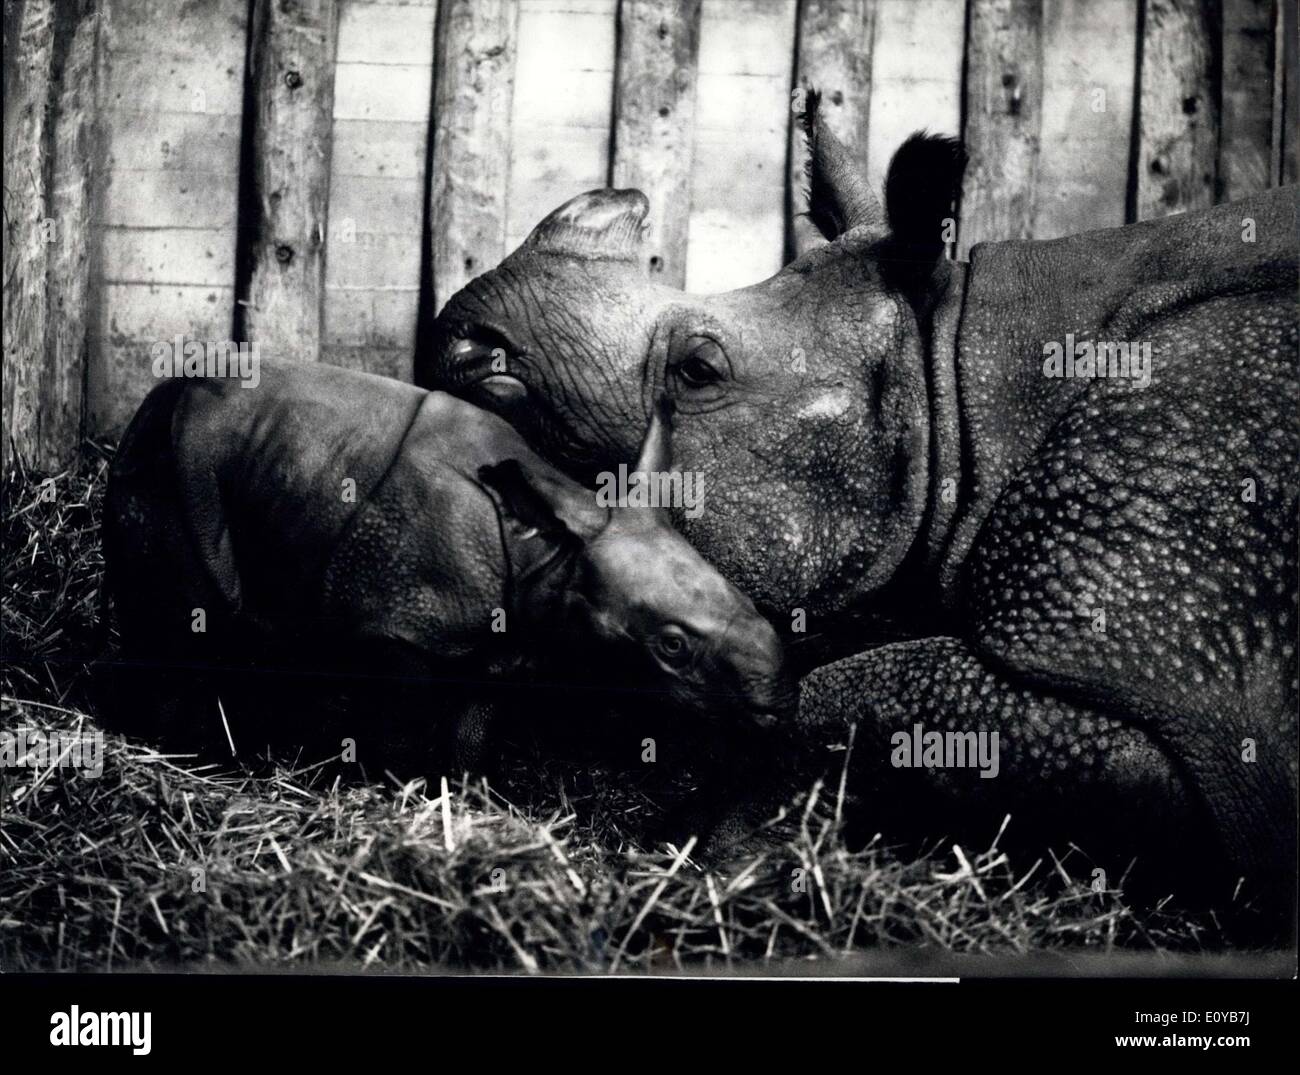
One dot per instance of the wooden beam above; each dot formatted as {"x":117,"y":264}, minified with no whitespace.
{"x":291,"y":74}
{"x":1178,"y":109}
{"x":1286,"y":95}
{"x":654,"y":122}
{"x":26,"y":253}
{"x":474,"y":63}
{"x":1245,"y":144}
{"x":50,"y":109}
{"x":74,"y":266}
{"x":1004,"y":118}
{"x":835,"y":45}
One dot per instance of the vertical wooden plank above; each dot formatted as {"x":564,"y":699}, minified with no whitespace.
{"x":1245,"y":141}
{"x":474,"y":60}
{"x":1004,"y":111}
{"x":654,"y":122}
{"x":1286,"y":139}
{"x":291,"y":68}
{"x":49,"y":120}
{"x":26,"y":250}
{"x":835,"y":43}
{"x":1089,"y":76}
{"x":76,"y":154}
{"x":1178,"y":111}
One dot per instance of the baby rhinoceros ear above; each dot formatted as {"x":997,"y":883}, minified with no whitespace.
{"x":548,"y":504}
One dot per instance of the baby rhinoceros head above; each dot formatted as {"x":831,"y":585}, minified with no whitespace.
{"x":645,"y":590}
{"x":646,"y":609}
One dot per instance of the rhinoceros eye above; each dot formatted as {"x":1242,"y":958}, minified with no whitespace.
{"x":482,"y":368}
{"x":702,"y":364}
{"x":672,"y":646}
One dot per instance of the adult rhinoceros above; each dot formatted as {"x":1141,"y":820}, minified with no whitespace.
{"x":1051,"y":493}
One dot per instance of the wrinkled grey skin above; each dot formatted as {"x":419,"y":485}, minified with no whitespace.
{"x":883,"y":451}
{"x":236,"y":500}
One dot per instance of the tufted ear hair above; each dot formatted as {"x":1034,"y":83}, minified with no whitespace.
{"x":921,"y":191}
{"x":839,"y":198}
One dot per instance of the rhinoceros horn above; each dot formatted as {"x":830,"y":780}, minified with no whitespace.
{"x":839,"y":198}
{"x":657,"y":448}
{"x":655,"y":457}
{"x":601,"y":225}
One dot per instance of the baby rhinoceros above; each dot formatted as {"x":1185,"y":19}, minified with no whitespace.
{"x":337,"y":528}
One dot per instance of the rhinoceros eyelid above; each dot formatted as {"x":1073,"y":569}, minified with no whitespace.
{"x":702,"y":364}
{"x":489,"y":334}
{"x":674,"y":646}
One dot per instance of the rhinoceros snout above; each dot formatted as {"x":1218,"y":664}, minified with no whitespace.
{"x":766,"y":689}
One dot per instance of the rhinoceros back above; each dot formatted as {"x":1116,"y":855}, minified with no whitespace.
{"x":272,"y":475}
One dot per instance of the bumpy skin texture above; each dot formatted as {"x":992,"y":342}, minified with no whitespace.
{"x":953,"y":519}
{"x":1169,"y":508}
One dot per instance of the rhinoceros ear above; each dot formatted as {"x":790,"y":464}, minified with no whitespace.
{"x":537,"y":502}
{"x":921,"y":191}
{"x":601,"y":225}
{"x":839,"y":198}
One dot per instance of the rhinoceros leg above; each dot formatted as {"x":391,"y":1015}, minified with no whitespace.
{"x":1066,"y":772}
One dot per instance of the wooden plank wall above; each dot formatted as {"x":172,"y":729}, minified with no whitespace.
{"x":742,"y":114}
{"x":1004,"y":118}
{"x":50,"y":163}
{"x":1087,"y":115}
{"x":450,"y":128}
{"x":383,"y":89}
{"x":657,"y":71}
{"x":563,"y":108}
{"x":834,"y":54}
{"x":917,"y":76}
{"x":171,"y":111}
{"x":474,"y":58}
